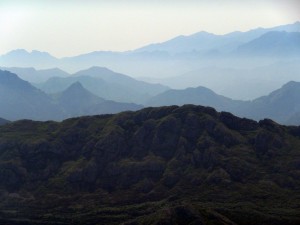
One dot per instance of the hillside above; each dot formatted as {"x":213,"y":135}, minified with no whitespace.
{"x":76,"y":100}
{"x":3,"y":121}
{"x":20,"y":100}
{"x":36,"y":76}
{"x":279,"y":105}
{"x":272,"y":44}
{"x":168,"y":165}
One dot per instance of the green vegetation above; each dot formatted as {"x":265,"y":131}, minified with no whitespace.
{"x":167,"y":165}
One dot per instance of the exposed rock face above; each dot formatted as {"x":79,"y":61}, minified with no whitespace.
{"x":168,"y":165}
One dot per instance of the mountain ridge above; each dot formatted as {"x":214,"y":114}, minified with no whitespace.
{"x":20,"y":100}
{"x":167,"y":165}
{"x":213,"y":47}
{"x":279,"y":105}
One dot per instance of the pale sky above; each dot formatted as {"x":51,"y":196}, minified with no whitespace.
{"x":72,"y":27}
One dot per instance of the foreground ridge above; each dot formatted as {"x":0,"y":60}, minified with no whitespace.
{"x":165,"y":165}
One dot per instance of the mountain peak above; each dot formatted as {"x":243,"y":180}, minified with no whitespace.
{"x":99,"y":69}
{"x":291,"y":84}
{"x":10,"y":79}
{"x":76,"y":92}
{"x":76,"y":85}
{"x":76,"y":88}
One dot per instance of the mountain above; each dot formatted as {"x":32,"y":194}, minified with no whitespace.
{"x":196,"y":42}
{"x":23,"y":58}
{"x":169,"y":58}
{"x":20,"y":100}
{"x":97,"y":86}
{"x":36,"y":76}
{"x":279,"y":105}
{"x":3,"y":121}
{"x":229,"y":81}
{"x":293,"y":119}
{"x":141,"y":87}
{"x":206,"y":42}
{"x":273,"y":43}
{"x":196,"y":96}
{"x":106,"y":84}
{"x":77,"y":101}
{"x":168,"y":165}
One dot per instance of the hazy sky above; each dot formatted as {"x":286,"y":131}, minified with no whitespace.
{"x":71,"y":27}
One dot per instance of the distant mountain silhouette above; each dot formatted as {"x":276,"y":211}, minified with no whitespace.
{"x":294,"y":119}
{"x":161,"y":59}
{"x":123,"y":80}
{"x":279,"y":105}
{"x":3,"y":121}
{"x":197,"y":96}
{"x":77,"y":101}
{"x":273,"y":43}
{"x":203,"y":41}
{"x":23,"y":58}
{"x":20,"y":100}
{"x":196,"y":42}
{"x":106,"y":84}
{"x":36,"y":76}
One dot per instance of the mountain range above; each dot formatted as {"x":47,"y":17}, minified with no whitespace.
{"x":168,"y":165}
{"x":228,"y":81}
{"x":265,"y":58}
{"x":20,"y":100}
{"x":201,"y":45}
{"x":281,"y":105}
{"x":77,"y":101}
{"x":206,"y":42}
{"x":36,"y":76}
{"x":79,"y":95}
{"x":208,"y":150}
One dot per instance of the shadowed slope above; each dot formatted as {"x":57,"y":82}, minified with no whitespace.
{"x":168,"y":165}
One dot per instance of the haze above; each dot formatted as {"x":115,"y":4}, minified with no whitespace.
{"x":74,"y":27}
